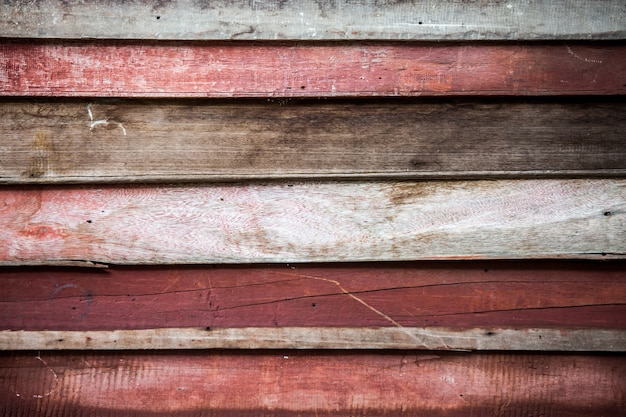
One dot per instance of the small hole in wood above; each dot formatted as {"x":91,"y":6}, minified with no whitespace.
{"x":419,"y":23}
{"x":302,"y":87}
{"x":158,"y":17}
{"x":607,"y":213}
{"x":88,"y":221}
{"x":313,"y":305}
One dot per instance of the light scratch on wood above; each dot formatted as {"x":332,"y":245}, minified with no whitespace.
{"x":56,"y":377}
{"x":374,"y":309}
{"x":572,"y":53}
{"x":95,"y":123}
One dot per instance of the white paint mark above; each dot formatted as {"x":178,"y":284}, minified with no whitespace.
{"x":572,"y":53}
{"x":95,"y":123}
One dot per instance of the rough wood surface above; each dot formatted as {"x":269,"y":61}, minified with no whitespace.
{"x":310,"y":383}
{"x":461,"y":295}
{"x":132,"y":69}
{"x":436,"y":338}
{"x":314,"y":222}
{"x":56,"y":141}
{"x":320,"y":19}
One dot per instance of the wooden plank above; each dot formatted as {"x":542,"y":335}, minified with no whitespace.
{"x":407,"y":338}
{"x":314,"y":222}
{"x":166,"y":69}
{"x":324,"y":19}
{"x":310,"y":383}
{"x":457,"y":295}
{"x":59,"y":141}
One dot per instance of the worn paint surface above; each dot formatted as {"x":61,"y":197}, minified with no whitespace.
{"x":314,"y":222}
{"x":62,"y":68}
{"x":310,"y":384}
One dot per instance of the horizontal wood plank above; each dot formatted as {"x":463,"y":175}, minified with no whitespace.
{"x":407,"y":338}
{"x":92,"y":69}
{"x":457,"y":295}
{"x":310,"y":383}
{"x":70,"y":141}
{"x":323,"y":19}
{"x":314,"y":222}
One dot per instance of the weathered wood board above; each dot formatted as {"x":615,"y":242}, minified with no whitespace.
{"x":310,"y":383}
{"x":174,"y":69}
{"x":397,"y":338}
{"x":457,"y":295}
{"x":60,"y":141}
{"x":314,"y":222}
{"x":321,"y":19}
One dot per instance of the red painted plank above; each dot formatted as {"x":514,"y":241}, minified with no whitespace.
{"x":132,"y":69}
{"x":310,"y":384}
{"x":420,"y":294}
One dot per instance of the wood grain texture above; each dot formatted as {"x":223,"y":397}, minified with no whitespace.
{"x":323,"y":19}
{"x":411,"y":338}
{"x":166,"y":69}
{"x":456,"y":295}
{"x":314,"y":222}
{"x":310,"y":383}
{"x":71,"y":141}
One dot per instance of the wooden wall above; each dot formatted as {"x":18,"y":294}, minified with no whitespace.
{"x":312,"y":208}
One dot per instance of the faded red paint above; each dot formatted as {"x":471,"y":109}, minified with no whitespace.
{"x":294,"y":70}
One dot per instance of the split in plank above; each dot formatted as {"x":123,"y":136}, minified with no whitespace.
{"x":174,"y":69}
{"x":462,"y":295}
{"x":310,"y":383}
{"x":322,"y":19}
{"x":77,"y":141}
{"x":406,"y":338}
{"x":314,"y":222}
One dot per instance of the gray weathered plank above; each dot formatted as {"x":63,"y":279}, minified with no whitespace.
{"x":59,"y":141}
{"x":315,"y":222}
{"x":318,"y":20}
{"x":409,"y":338}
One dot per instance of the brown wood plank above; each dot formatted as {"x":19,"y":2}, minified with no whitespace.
{"x":310,"y":384}
{"x":61,"y":141}
{"x":322,"y":19}
{"x":92,"y":69}
{"x":469,"y":294}
{"x":314,"y":222}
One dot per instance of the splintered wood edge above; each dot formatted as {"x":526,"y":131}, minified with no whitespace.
{"x":417,"y":338}
{"x":320,"y":20}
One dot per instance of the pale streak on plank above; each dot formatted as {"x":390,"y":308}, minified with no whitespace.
{"x":315,"y":222}
{"x":406,"y":338}
{"x":174,"y":69}
{"x":55,"y":141}
{"x":310,"y":383}
{"x":319,"y":20}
